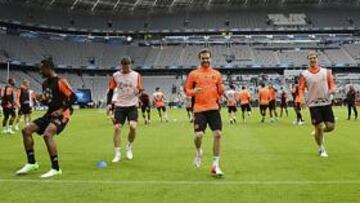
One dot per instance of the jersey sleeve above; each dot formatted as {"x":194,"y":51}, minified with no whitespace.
{"x":112,"y":83}
{"x":330,"y":81}
{"x":139,"y":83}
{"x":189,"y":85}
{"x":65,"y":88}
{"x":302,"y":84}
{"x":219,"y":84}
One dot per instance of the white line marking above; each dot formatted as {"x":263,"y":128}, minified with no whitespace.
{"x":176,"y":182}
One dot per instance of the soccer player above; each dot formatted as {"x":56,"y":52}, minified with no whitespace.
{"x":272,"y":103}
{"x":298,"y":102}
{"x":320,"y":85}
{"x":145,"y":106}
{"x":8,"y":104}
{"x":245,"y":99}
{"x":188,"y":103}
{"x":124,"y":90}
{"x":59,"y":97}
{"x":264,"y":99}
{"x":350,"y":101}
{"x":24,"y":102}
{"x":231,"y":101}
{"x":159,"y":101}
{"x":283,"y":102}
{"x":206,"y":86}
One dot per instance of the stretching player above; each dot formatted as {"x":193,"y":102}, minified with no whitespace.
{"x":245,"y":100}
{"x":59,"y":97}
{"x":24,"y":102}
{"x":145,"y":107}
{"x":8,"y":105}
{"x":188,"y":103}
{"x":272,"y":103}
{"x":125,"y":87}
{"x":283,"y":103}
{"x":159,"y":100}
{"x":231,"y":101}
{"x":264,"y":98}
{"x":206,"y":86}
{"x":320,"y":86}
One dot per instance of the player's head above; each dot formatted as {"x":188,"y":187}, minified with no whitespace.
{"x":125,"y":63}
{"x":47,"y":68}
{"x":270,"y":86}
{"x":232,"y":87}
{"x":312,"y":59}
{"x":157,"y":89}
{"x":243,"y":87}
{"x":11,"y":82}
{"x":262,"y":85}
{"x":26,"y":83}
{"x":205,"y":57}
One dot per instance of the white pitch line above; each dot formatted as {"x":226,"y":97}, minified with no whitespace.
{"x":155,"y":182}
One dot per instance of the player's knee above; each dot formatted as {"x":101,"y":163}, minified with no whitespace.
{"x":132,"y":125}
{"x":199,"y":134}
{"x":330,"y":127}
{"x":117,"y":126}
{"x":217,"y":134}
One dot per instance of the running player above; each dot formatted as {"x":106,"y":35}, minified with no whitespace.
{"x":283,"y":102}
{"x":264,"y":99}
{"x":24,"y":102}
{"x":320,"y":85}
{"x":272,"y":103}
{"x":350,"y":101}
{"x":188,"y":103}
{"x":159,"y":101}
{"x":206,"y":86}
{"x":231,"y":101}
{"x":298,"y":102}
{"x":59,"y":97}
{"x":125,"y":87}
{"x":245,"y":100}
{"x":145,"y":106}
{"x":8,"y":105}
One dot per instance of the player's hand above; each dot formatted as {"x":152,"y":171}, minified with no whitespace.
{"x":198,"y":90}
{"x":57,"y":113}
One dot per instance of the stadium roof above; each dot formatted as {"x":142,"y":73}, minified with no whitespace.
{"x":167,"y":5}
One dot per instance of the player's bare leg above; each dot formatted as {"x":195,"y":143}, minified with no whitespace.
{"x":131,"y":138}
{"x":48,"y":135}
{"x":198,"y":153}
{"x":117,"y":142}
{"x":28,"y":141}
{"x":216,"y":151}
{"x":319,"y":139}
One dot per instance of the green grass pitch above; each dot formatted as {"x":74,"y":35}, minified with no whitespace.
{"x":270,"y":162}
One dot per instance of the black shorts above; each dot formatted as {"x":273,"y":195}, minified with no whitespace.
{"x":245,"y":107}
{"x":232,"y":109}
{"x":24,"y":110}
{"x":9,"y":112}
{"x":122,"y":113}
{"x":272,"y":105}
{"x":321,"y":114}
{"x":212,"y":117}
{"x":283,"y":105}
{"x":145,"y":107}
{"x":263,"y":107}
{"x":163,"y":108}
{"x":43,"y":122}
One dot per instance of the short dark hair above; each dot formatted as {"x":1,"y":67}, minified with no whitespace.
{"x":48,"y":62}
{"x":157,"y":89}
{"x":204,"y":51}
{"x":126,"y":60}
{"x":243,"y":87}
